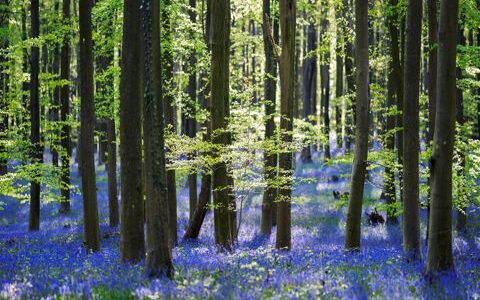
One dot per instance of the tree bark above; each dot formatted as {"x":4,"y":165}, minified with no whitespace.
{"x":432,"y":82}
{"x":36,"y":150}
{"x":167,"y":83}
{"x":132,"y":247}
{"x":4,"y":17}
{"x":339,"y":57}
{"x":350,"y":76}
{"x":439,"y":255}
{"x":204,"y":198}
{"x":64,"y":113}
{"x":159,"y":257}
{"x":460,"y":118}
{"x":325,"y":86}
{"x":411,"y":145}
{"x":220,"y":98}
{"x":352,"y":234}
{"x":191,"y":119}
{"x":309,"y":83}
{"x":270,"y":92}
{"x":286,"y":67}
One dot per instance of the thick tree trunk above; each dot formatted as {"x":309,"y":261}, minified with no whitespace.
{"x":439,"y":255}
{"x":270,"y":158}
{"x":132,"y":247}
{"x":37,"y":151}
{"x":4,"y":17}
{"x":64,"y":117}
{"x":219,"y":109}
{"x":354,"y":217}
{"x":411,"y":145}
{"x":191,"y":120}
{"x":87,"y":111}
{"x":167,"y":83}
{"x":432,"y":82}
{"x":309,"y":83}
{"x":286,"y":66}
{"x":159,"y":257}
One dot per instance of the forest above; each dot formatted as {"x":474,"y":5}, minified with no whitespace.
{"x":239,"y":149}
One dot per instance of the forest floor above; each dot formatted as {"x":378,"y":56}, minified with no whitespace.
{"x":53,"y":264}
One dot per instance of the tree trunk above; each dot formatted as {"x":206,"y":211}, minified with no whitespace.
{"x":349,"y":72}
{"x":64,"y":116}
{"x":54,"y":110}
{"x":286,"y":66}
{"x":204,"y":198}
{"x":339,"y":79}
{"x":462,"y":206}
{"x":432,"y":82}
{"x":270,"y":91}
{"x":191,"y":119}
{"x":159,"y":257}
{"x":325,"y":85}
{"x":37,"y":151}
{"x":132,"y":247}
{"x":112,"y":174}
{"x":4,"y":17}
{"x":87,"y":111}
{"x":352,"y":235}
{"x":167,"y":83}
{"x":439,"y":255}
{"x":309,"y":83}
{"x":220,"y":98}
{"x":411,"y":145}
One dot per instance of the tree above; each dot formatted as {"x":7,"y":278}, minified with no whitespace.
{"x":394,"y":90}
{"x":309,"y":81}
{"x":432,"y":78}
{"x":4,"y":17}
{"x":36,"y":148}
{"x":325,"y":81}
{"x":87,"y":111}
{"x":220,"y":98}
{"x":132,"y":247}
{"x":167,"y":83}
{"x":439,"y":255}
{"x":64,"y":113}
{"x":411,"y":143}
{"x":159,"y":257}
{"x":354,"y":216}
{"x":204,"y":197}
{"x":270,"y":158}
{"x":191,"y":124}
{"x":350,"y":77}
{"x":288,"y":10}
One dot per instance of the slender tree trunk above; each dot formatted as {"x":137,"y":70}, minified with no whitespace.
{"x":439,"y":255}
{"x":220,"y":98}
{"x":159,"y":256}
{"x":87,"y":111}
{"x":191,"y":120}
{"x":64,"y":116}
{"x":352,"y":237}
{"x":113,"y":212}
{"x":432,"y":82}
{"x":339,"y":80}
{"x":204,"y":198}
{"x":132,"y":247}
{"x":309,"y":83}
{"x":4,"y":17}
{"x":394,"y":91}
{"x":411,"y":145}
{"x":460,"y":118}
{"x":325,"y":85}
{"x":54,"y":110}
{"x":167,"y":83}
{"x":37,"y":151}
{"x":270,"y":91}
{"x":286,"y":66}
{"x":349,"y":72}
